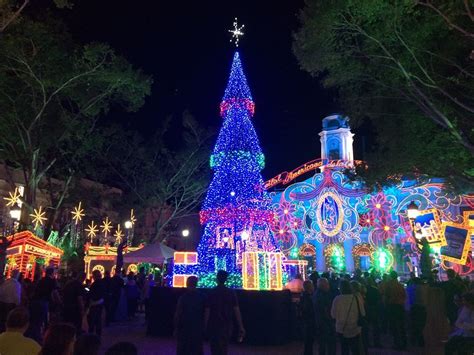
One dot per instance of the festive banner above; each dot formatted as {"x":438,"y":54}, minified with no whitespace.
{"x":428,"y":225}
{"x":458,"y":243}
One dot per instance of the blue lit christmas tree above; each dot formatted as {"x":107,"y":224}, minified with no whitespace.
{"x":236,"y":213}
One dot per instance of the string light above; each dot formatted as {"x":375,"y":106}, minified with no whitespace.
{"x":236,"y":212}
{"x":38,"y":217}
{"x":133,"y":219}
{"x":106,"y":226}
{"x":118,"y":235}
{"x":78,"y":213}
{"x":13,"y":198}
{"x":92,"y":230}
{"x":236,"y":32}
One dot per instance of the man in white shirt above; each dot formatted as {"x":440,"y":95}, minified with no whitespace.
{"x":10,"y":289}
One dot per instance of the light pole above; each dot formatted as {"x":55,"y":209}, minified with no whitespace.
{"x":128,"y":226}
{"x":15,"y":214}
{"x":185,"y":234}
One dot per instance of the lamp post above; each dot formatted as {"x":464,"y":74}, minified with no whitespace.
{"x":15,"y":214}
{"x":185,"y":234}
{"x":128,"y":226}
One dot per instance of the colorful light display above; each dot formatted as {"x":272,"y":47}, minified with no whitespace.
{"x":236,"y":212}
{"x":262,"y":271}
{"x":382,"y":259}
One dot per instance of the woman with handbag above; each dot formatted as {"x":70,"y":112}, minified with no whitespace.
{"x":346,"y":309}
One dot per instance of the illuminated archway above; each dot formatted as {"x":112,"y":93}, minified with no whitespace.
{"x":334,"y":257}
{"x":132,"y":268}
{"x":99,"y":267}
{"x":362,"y":250}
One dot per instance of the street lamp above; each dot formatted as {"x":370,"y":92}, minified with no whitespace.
{"x":185,"y":234}
{"x":15,"y":212}
{"x":128,"y":227}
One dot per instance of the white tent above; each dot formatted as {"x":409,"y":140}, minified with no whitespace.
{"x":156,"y":253}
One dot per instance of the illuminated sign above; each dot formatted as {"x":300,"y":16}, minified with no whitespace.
{"x":41,"y":251}
{"x":458,"y":243}
{"x":286,"y":177}
{"x":428,"y":225}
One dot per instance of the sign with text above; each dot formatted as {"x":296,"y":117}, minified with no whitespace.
{"x":458,"y":241}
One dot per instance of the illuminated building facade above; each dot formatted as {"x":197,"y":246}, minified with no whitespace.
{"x":347,"y":227}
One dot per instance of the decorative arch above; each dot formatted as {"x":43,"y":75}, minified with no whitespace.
{"x":334,"y":257}
{"x":132,"y":268}
{"x":307,"y":250}
{"x":362,"y":249}
{"x":99,"y":267}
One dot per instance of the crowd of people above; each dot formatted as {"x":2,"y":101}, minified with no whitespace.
{"x":355,"y":311}
{"x":57,"y":315}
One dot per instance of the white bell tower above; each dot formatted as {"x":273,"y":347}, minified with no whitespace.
{"x":337,"y":139}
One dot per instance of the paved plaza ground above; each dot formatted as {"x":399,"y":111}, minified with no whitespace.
{"x":135,"y":332}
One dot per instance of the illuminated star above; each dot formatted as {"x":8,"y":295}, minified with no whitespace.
{"x":133,"y":219}
{"x":106,"y":226}
{"x":118,"y":234}
{"x":13,"y":198}
{"x":78,"y":213}
{"x":38,"y":217}
{"x":236,"y":32}
{"x":92,"y":230}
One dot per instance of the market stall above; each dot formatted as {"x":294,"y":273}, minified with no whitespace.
{"x":103,"y":258}
{"x":27,"y":252}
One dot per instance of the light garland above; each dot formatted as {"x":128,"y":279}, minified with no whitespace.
{"x":78,"y":213}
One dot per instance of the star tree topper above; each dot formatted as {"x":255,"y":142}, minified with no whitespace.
{"x":236,"y":32}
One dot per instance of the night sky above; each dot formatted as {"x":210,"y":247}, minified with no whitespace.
{"x":185,"y":46}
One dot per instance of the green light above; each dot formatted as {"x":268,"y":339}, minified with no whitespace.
{"x":382,"y":259}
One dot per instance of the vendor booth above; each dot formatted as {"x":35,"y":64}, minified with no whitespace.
{"x":27,"y":252}
{"x":156,"y":253}
{"x":103,"y":258}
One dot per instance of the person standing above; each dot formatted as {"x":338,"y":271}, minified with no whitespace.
{"x":221,"y":306}
{"x":344,"y":311}
{"x":96,"y":304}
{"x":462,"y":340}
{"x":189,"y":320}
{"x":10,"y":296}
{"x":133,"y":294}
{"x":146,"y":294}
{"x":373,"y":305}
{"x":107,"y":280}
{"x":395,"y":297}
{"x":74,"y":301}
{"x":46,"y":296}
{"x":13,"y":342}
{"x":308,"y":317}
{"x":325,"y":330}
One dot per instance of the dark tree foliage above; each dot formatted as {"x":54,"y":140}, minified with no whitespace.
{"x":408,"y":68}
{"x":52,"y":93}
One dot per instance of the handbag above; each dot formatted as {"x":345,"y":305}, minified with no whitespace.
{"x":361,"y":320}
{"x":347,"y":316}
